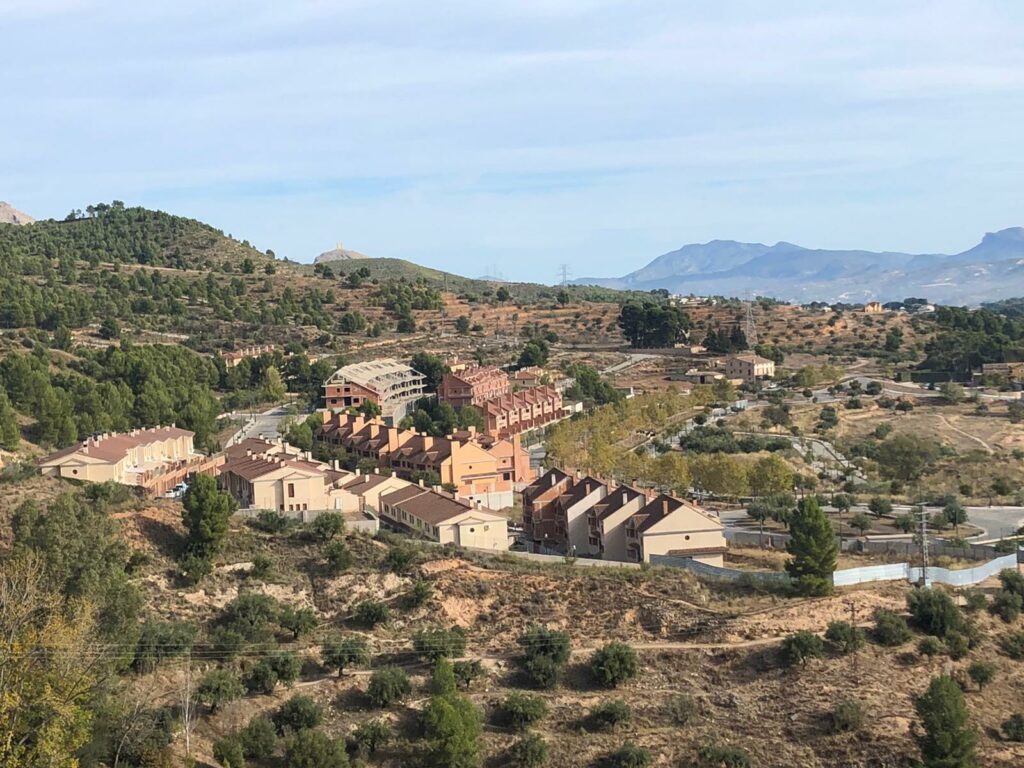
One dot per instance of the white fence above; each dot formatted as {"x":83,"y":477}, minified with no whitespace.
{"x":849,"y":576}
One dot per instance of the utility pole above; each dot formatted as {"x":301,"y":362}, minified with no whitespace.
{"x":750,"y":331}
{"x":186,"y":705}
{"x":924,"y":546}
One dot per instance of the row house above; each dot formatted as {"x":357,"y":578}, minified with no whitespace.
{"x":478,"y":467}
{"x":521,"y":411}
{"x":583,"y":515}
{"x":153,"y":460}
{"x":445,"y":518}
{"x":473,"y":386}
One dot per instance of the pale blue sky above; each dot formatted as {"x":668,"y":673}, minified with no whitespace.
{"x":523,"y":132}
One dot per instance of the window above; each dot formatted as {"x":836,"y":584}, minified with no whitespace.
{"x":687,"y":537}
{"x":291,"y":490}
{"x":472,"y":530}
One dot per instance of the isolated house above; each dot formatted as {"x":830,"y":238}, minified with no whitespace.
{"x":749,"y":368}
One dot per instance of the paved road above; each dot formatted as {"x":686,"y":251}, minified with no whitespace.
{"x":631,"y":359}
{"x":265,"y":424}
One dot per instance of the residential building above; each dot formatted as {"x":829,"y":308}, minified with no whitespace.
{"x":528,"y":377}
{"x":607,"y":518}
{"x":392,"y":385}
{"x":521,"y":411}
{"x":234,"y":357}
{"x":443,"y":518}
{"x":578,"y":513}
{"x":154,"y":460}
{"x":479,"y":467}
{"x":1010,"y":372}
{"x":473,"y":386}
{"x":670,"y":526}
{"x":749,"y":368}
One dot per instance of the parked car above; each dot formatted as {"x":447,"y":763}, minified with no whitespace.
{"x":177,"y":491}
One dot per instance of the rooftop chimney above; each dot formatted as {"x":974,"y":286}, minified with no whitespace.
{"x":664,"y":506}
{"x":421,"y":483}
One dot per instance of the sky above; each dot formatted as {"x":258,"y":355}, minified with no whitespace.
{"x":510,"y":137}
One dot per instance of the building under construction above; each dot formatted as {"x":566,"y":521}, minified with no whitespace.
{"x":392,"y":385}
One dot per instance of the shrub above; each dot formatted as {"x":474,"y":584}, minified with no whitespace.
{"x":314,"y":749}
{"x":801,"y":646}
{"x":1013,"y":728}
{"x":421,"y":593}
{"x":1012,"y":581}
{"x":467,"y":672}
{"x":219,"y":686}
{"x":614,"y":664}
{"x":228,"y":752}
{"x":262,"y":567}
{"x":629,"y":755}
{"x":338,"y":557}
{"x":957,"y":645}
{"x":370,"y":736}
{"x":269,"y":521}
{"x":847,"y":716}
{"x":682,"y":709}
{"x":519,"y":711}
{"x":540,"y":641}
{"x":722,"y":756}
{"x":388,"y":685}
{"x":327,"y":525}
{"x":844,"y":636}
{"x":945,"y":738}
{"x":451,"y":728}
{"x":1007,"y":605}
{"x":250,"y":614}
{"x":400,"y":558}
{"x":297,"y":714}
{"x":975,"y":600}
{"x":341,"y":653}
{"x":531,"y":751}
{"x":298,"y":621}
{"x":982,"y":673}
{"x":1013,"y":645}
{"x":287,"y":665}
{"x":930,"y":646}
{"x":370,"y":613}
{"x":608,"y":714}
{"x":433,"y":644}
{"x":226,"y":643}
{"x":890,"y":628}
{"x":543,"y":672}
{"x":160,"y":640}
{"x":258,"y":738}
{"x":261,"y":678}
{"x":442,"y":680}
{"x":934,"y":611}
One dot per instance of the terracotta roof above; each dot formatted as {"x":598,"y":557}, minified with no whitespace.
{"x":615,"y":500}
{"x":434,"y":508}
{"x":697,"y":551}
{"x":114,"y":447}
{"x":580,"y":490}
{"x":544,"y":483}
{"x":402,"y":494}
{"x":661,"y":507}
{"x":365,"y":482}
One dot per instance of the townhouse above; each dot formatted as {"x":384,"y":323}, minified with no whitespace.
{"x":575,"y":513}
{"x":521,"y":411}
{"x":153,"y":460}
{"x":473,"y":386}
{"x":476,"y":466}
{"x":444,"y":518}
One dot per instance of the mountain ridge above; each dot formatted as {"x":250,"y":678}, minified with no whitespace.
{"x":991,"y":270}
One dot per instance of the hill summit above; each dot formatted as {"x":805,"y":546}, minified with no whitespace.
{"x":339,"y":253}
{"x":11,"y":215}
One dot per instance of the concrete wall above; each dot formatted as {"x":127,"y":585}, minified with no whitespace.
{"x":354,"y":521}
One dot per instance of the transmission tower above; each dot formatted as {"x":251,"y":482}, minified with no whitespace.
{"x":563,"y":271}
{"x":750,"y":331}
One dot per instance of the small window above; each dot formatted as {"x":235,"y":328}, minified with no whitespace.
{"x":472,"y":530}
{"x":74,"y":471}
{"x":687,"y":537}
{"x":291,"y":490}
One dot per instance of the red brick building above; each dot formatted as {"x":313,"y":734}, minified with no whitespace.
{"x":473,"y":386}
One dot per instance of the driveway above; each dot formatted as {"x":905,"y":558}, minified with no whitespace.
{"x":263,"y":424}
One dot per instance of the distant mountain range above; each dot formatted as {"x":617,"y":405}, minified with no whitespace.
{"x":991,"y":270}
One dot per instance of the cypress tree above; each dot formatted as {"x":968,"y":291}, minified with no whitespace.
{"x":9,"y":432}
{"x":813,"y":548}
{"x":945,"y":740}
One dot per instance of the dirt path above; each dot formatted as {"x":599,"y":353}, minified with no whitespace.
{"x":968,"y":435}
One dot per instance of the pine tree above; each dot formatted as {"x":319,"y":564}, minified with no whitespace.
{"x":946,"y":740}
{"x":813,"y":548}
{"x":9,"y":432}
{"x":206,"y":514}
